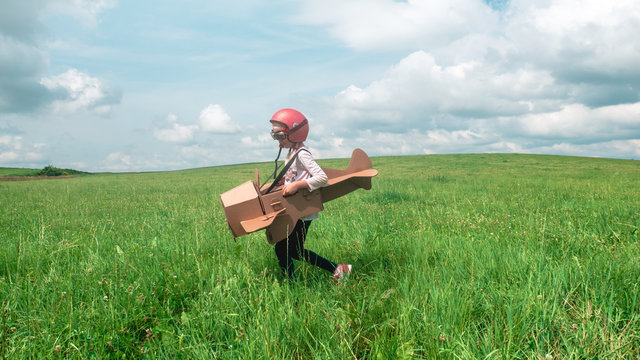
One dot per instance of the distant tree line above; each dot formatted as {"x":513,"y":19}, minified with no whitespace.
{"x":50,"y":170}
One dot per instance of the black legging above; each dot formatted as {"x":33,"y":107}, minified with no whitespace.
{"x":293,"y":248}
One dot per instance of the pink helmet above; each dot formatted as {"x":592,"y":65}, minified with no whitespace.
{"x":295,"y":124}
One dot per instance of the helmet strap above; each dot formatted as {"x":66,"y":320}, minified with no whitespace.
{"x":304,"y":122}
{"x":275,"y":169}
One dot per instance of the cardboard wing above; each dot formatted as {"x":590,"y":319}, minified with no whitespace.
{"x":248,"y":210}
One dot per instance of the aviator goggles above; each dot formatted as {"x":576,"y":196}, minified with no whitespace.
{"x":279,"y":135}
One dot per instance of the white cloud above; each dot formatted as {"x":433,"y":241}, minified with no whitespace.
{"x":387,"y":24}
{"x":12,"y":151}
{"x":138,"y":160}
{"x":377,"y":143}
{"x":214,"y":154}
{"x":260,"y":140}
{"x":212,"y":119}
{"x":215,"y":119}
{"x":546,"y":74}
{"x":534,"y":76}
{"x":576,"y":121}
{"x":84,"y":11}
{"x":23,"y":59}
{"x":117,"y":161}
{"x":178,"y":133}
{"x":8,"y":156}
{"x":14,"y":142}
{"x":627,"y":149}
{"x":175,"y":133}
{"x":246,"y":140}
{"x":592,"y":36}
{"x":80,"y":92}
{"x":200,"y":154}
{"x":420,"y":142}
{"x":417,"y":89}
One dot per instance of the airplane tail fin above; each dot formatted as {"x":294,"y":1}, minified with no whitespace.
{"x":359,"y":161}
{"x":357,"y":175}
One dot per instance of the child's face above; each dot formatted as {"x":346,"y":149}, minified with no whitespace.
{"x":285,"y":143}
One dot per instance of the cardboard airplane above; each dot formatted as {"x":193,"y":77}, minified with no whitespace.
{"x":249,"y":208}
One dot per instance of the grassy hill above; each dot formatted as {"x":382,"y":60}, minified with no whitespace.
{"x":47,"y":171}
{"x":455,"y":256}
{"x":6,"y":172}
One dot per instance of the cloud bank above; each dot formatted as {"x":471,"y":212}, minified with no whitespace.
{"x":536,"y":77}
{"x":23,"y":62}
{"x":392,"y":77}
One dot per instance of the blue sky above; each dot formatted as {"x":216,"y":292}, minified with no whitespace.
{"x":108,"y":85}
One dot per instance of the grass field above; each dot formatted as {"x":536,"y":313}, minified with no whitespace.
{"x":455,"y":257}
{"x":13,"y":172}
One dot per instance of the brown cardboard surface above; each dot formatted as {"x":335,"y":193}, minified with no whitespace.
{"x":302,"y":203}
{"x":241,"y":202}
{"x":247,"y":210}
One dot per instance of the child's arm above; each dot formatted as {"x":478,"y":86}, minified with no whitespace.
{"x":318,"y":177}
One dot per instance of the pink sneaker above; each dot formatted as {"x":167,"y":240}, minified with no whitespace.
{"x":342,"y":272}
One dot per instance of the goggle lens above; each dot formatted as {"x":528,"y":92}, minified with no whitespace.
{"x":278,"y":135}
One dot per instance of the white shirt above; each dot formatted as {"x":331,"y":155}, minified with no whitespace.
{"x":305,"y":168}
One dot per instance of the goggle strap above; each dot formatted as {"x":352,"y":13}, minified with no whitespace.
{"x":304,"y":122}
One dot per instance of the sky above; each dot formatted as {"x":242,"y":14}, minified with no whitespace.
{"x":114,"y":85}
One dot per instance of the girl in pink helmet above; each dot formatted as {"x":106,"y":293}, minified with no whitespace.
{"x":290,"y":128}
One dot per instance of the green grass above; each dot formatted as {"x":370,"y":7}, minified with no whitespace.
{"x":6,"y":172}
{"x":455,"y":256}
{"x":49,"y":171}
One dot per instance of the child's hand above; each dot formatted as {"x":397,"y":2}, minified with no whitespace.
{"x":293,"y":188}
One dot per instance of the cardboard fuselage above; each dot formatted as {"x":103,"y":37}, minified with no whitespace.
{"x":247,"y":209}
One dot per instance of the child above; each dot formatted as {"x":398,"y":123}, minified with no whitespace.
{"x":290,"y":128}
